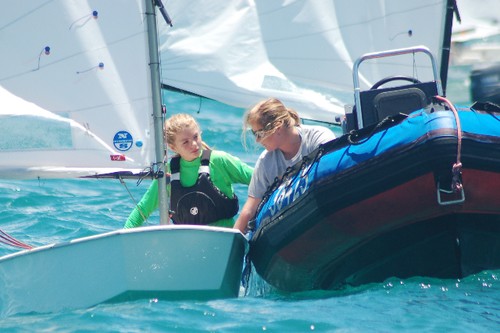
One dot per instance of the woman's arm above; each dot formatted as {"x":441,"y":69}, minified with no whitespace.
{"x":247,"y":213}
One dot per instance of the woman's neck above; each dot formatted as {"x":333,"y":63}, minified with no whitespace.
{"x":291,"y":142}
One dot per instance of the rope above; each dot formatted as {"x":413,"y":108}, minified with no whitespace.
{"x":353,"y":135}
{"x":456,"y":184}
{"x":132,"y":197}
{"x":306,"y":162}
{"x":7,"y":239}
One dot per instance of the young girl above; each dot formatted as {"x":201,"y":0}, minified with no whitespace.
{"x":201,"y":181}
{"x":278,"y":129}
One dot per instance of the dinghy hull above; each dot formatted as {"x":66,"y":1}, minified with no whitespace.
{"x":162,"y":262}
{"x":372,"y":210}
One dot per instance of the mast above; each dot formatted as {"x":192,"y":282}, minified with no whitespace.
{"x":160,"y":151}
{"x":451,"y":7}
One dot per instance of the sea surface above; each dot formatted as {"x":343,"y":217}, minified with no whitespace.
{"x":51,"y":211}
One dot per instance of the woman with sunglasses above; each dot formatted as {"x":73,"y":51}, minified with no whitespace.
{"x":278,"y":129}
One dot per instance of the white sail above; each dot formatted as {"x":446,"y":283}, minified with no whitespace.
{"x":80,"y":62}
{"x":477,"y":22}
{"x":302,"y":52}
{"x":476,"y":40}
{"x":75,"y":88}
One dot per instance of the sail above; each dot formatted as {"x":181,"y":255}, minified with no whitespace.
{"x":299,"y":51}
{"x":476,"y":40}
{"x":75,"y":90}
{"x":79,"y":90}
{"x":477,"y":22}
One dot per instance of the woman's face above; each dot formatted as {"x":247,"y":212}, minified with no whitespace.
{"x":187,"y":143}
{"x":266,"y":136}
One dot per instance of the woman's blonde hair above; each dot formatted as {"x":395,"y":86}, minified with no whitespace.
{"x":270,"y":114}
{"x":176,"y":124}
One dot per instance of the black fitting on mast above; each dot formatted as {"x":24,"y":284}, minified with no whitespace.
{"x":451,"y":8}
{"x":163,"y":12}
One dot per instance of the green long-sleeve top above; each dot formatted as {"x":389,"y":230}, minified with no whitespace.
{"x":225,"y":170}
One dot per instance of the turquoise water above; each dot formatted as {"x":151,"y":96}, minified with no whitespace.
{"x":48,"y":211}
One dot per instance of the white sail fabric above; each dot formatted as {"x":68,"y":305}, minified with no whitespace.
{"x":477,"y":21}
{"x":75,"y":93}
{"x":300,"y":51}
{"x":84,"y":66}
{"x":476,"y":40}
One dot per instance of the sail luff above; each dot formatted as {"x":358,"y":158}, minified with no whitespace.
{"x":160,"y":151}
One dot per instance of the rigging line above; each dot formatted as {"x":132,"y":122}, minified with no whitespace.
{"x":178,"y":60}
{"x":7,"y":239}
{"x":282,"y":7}
{"x":168,"y":21}
{"x":354,"y":24}
{"x":456,"y":183}
{"x":415,"y":67}
{"x":199,"y":105}
{"x":88,"y":17}
{"x":458,"y":124}
{"x":354,"y":134}
{"x":14,"y":244}
{"x":132,"y":198}
{"x":76,"y":54}
{"x":24,"y":15}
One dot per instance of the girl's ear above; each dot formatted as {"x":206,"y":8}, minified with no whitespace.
{"x":172,"y":148}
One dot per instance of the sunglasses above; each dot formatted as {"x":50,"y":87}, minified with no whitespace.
{"x":259,"y":134}
{"x":263,"y":132}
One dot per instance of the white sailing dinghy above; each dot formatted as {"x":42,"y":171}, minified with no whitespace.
{"x":80,"y":97}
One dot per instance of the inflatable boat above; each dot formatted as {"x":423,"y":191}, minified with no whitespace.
{"x":411,"y":189}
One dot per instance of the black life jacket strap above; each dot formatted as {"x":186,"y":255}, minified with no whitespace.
{"x":175,"y":165}
{"x":205,"y":161}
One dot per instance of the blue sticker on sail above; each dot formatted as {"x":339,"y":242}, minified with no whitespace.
{"x":123,"y":141}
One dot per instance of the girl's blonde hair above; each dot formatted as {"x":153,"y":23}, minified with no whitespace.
{"x":270,"y":114}
{"x":177,"y":123}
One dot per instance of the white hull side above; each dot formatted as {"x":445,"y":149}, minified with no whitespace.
{"x":165,"y":262}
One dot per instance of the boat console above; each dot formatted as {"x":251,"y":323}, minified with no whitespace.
{"x":376,"y":104}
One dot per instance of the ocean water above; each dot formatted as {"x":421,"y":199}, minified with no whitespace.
{"x":52,"y":211}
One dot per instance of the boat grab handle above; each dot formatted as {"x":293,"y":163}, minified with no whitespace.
{"x":442,"y":202}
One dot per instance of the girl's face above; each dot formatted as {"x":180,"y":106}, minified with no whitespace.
{"x":187,"y":143}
